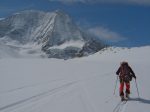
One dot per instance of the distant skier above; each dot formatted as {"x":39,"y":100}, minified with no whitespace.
{"x":125,"y":75}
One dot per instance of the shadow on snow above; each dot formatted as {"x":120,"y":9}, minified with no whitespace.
{"x":142,"y":100}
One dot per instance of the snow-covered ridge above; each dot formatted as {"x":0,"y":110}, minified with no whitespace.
{"x":124,"y":49}
{"x":122,"y":53}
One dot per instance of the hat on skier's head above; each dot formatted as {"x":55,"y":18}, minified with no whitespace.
{"x":124,"y":63}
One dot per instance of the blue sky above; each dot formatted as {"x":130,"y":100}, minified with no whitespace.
{"x":117,"y":22}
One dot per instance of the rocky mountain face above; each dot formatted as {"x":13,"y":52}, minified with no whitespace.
{"x":54,"y":32}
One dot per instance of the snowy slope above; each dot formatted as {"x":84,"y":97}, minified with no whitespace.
{"x":77,"y":85}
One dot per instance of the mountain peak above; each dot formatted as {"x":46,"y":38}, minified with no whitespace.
{"x":50,"y":30}
{"x":62,"y":15}
{"x":60,"y":12}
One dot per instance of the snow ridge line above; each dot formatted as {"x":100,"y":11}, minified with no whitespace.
{"x":47,"y":27}
{"x":37,"y":97}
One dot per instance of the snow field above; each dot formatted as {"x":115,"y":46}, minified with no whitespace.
{"x":77,"y":85}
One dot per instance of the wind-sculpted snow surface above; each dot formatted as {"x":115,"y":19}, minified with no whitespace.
{"x":50,"y":31}
{"x":77,"y":85}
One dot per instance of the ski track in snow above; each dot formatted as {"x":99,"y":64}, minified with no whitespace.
{"x":121,"y":106}
{"x":48,"y":82}
{"x":39,"y":96}
{"x":28,"y":86}
{"x":36,"y":97}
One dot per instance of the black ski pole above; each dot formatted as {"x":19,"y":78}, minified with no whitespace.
{"x":115,"y":85}
{"x":137,"y":89}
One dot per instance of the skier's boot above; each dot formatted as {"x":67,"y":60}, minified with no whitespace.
{"x":122,"y":98}
{"x":127,"y":94}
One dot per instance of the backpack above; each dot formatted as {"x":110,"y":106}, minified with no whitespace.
{"x":125,"y":73}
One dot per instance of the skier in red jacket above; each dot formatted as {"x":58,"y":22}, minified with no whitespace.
{"x":125,"y":74}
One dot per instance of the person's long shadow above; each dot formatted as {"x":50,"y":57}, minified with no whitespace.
{"x":142,"y":100}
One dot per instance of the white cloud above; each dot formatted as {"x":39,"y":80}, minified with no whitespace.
{"x":140,"y":2}
{"x":2,"y":18}
{"x":106,"y":34}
